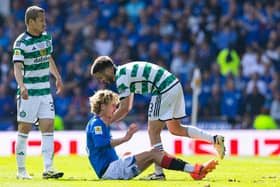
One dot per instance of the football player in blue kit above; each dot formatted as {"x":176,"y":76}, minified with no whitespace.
{"x":102,"y":154}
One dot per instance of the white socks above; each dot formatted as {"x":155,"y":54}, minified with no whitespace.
{"x":47,"y":149}
{"x":21,"y":151}
{"x":197,"y":133}
{"x":189,"y":168}
{"x":158,"y":169}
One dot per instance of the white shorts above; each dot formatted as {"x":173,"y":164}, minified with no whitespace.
{"x":34,"y":108}
{"x":167,"y":106}
{"x":124,"y":168}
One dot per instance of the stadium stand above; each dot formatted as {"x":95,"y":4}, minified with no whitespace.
{"x":235,"y":44}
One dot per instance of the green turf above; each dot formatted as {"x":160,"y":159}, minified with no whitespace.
{"x":232,"y":171}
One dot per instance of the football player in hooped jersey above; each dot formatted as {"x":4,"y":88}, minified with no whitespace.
{"x":167,"y":105}
{"x":32,"y":65}
{"x":102,"y":154}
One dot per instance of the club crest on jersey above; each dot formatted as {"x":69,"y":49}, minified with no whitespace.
{"x":98,"y":130}
{"x":22,"y":114}
{"x":43,"y":52}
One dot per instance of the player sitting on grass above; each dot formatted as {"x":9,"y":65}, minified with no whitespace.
{"x":102,"y":154}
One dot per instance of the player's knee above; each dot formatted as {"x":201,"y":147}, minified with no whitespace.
{"x":24,"y":128}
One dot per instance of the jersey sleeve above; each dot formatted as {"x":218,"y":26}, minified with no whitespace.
{"x":99,"y":136}
{"x":18,"y":52}
{"x":123,"y":87}
{"x":51,"y":42}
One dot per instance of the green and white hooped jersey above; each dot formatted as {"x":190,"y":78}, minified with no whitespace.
{"x":143,"y":78}
{"x":34,"y":53}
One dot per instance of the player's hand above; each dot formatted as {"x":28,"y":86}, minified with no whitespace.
{"x":59,"y":86}
{"x":23,"y":92}
{"x":133,"y":128}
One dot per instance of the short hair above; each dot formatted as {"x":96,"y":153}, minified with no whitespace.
{"x":32,"y":12}
{"x":102,"y":97}
{"x":100,"y":64}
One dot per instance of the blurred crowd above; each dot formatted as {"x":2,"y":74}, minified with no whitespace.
{"x":234,"y":43}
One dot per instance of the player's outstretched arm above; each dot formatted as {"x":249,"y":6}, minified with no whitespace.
{"x":124,"y":108}
{"x":131,"y":130}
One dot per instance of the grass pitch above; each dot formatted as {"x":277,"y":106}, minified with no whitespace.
{"x":232,"y":171}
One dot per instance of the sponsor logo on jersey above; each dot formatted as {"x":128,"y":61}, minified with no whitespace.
{"x":41,"y":59}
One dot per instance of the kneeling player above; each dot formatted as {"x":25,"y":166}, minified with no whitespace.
{"x":102,"y":154}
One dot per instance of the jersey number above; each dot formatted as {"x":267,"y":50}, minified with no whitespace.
{"x":151,"y":108}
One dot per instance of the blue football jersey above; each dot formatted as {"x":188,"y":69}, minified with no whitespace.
{"x":100,"y":151}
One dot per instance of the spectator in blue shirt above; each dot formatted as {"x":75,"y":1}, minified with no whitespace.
{"x":62,"y":103}
{"x":230,"y":102}
{"x":205,"y":89}
{"x":133,"y":9}
{"x":188,"y":96}
{"x":7,"y":106}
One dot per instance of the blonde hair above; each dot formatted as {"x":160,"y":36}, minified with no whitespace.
{"x":102,"y":97}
